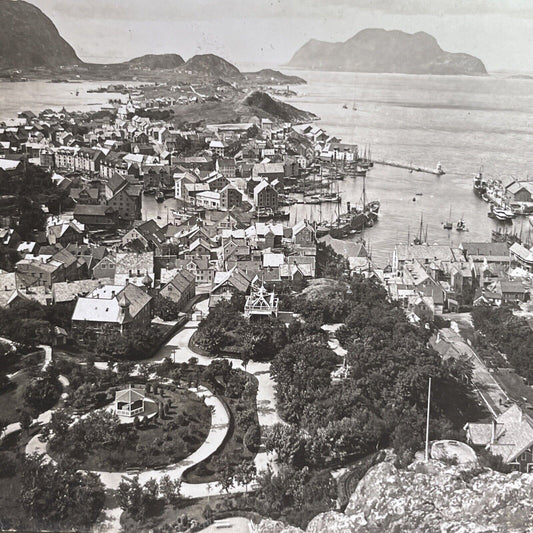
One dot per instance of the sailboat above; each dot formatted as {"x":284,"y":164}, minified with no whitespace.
{"x":419,"y":238}
{"x":460,"y":226}
{"x":448,"y":224}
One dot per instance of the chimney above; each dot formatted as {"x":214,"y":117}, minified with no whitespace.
{"x":112,"y":294}
{"x":493,"y":433}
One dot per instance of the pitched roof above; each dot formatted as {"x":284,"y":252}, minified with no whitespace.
{"x":182,"y":280}
{"x":234,"y":277}
{"x":129,"y":395}
{"x":514,"y":433}
{"x":68,"y":291}
{"x":102,"y":304}
{"x":485,"y":248}
{"x":95,"y":210}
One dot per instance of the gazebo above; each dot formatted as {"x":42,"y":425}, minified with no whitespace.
{"x":129,"y":402}
{"x":261,"y":302}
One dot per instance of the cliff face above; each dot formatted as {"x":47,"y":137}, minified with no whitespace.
{"x":429,"y":497}
{"x":377,"y":50}
{"x":28,"y":38}
{"x":211,"y":65}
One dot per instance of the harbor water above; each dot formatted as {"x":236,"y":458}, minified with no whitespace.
{"x":463,"y":122}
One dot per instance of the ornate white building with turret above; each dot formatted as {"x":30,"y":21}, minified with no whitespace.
{"x":261,"y":302}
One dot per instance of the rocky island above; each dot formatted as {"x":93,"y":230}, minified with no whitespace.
{"x":378,"y":50}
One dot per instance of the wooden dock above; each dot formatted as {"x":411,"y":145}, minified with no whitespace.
{"x":436,"y":172}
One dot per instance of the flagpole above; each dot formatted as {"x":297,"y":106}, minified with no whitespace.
{"x":427,"y":421}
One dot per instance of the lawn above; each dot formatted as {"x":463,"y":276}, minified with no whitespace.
{"x":163,"y":440}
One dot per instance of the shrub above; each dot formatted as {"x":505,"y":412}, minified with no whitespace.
{"x":252,"y":438}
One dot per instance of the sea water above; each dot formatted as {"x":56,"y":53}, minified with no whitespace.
{"x":466,"y":123}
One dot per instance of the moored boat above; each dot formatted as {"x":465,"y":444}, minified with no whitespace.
{"x":480,"y":185}
{"x":460,"y":226}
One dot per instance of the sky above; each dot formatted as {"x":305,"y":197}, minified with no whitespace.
{"x":268,"y":32}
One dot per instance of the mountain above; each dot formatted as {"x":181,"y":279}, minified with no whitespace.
{"x":156,"y":61}
{"x":211,"y":65}
{"x":428,"y":497}
{"x":378,"y":50}
{"x":30,"y":39}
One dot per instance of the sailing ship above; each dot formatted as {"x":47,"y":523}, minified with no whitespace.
{"x":356,"y":218}
{"x":448,"y":224}
{"x":421,"y":238}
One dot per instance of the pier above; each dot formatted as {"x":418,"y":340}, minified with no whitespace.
{"x":436,"y":172}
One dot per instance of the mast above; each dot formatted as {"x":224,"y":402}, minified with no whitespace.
{"x":364,"y":192}
{"x":427,"y":422}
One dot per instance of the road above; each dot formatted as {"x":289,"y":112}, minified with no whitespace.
{"x":488,"y":388}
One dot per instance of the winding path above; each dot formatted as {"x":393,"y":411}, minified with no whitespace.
{"x":177,"y":348}
{"x":43,"y":418}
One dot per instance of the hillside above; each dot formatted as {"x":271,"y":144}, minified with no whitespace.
{"x":429,"y":497}
{"x":30,"y":39}
{"x":211,"y":65}
{"x":239,"y":109}
{"x":262,"y":103}
{"x":378,"y":50}
{"x":156,"y":61}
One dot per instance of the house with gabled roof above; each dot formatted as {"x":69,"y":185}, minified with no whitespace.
{"x":265,"y":196}
{"x":148,"y":234}
{"x":509,"y":435}
{"x":181,"y":287}
{"x":201,"y":267}
{"x":200,"y":247}
{"x":225,"y":284}
{"x":111,"y":307}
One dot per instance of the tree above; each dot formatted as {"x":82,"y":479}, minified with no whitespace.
{"x":25,"y":420}
{"x":252,"y":438}
{"x":225,"y":473}
{"x":287,"y":442}
{"x":245,"y":473}
{"x":130,"y":497}
{"x":57,"y":496}
{"x":170,"y":489}
{"x":166,"y":308}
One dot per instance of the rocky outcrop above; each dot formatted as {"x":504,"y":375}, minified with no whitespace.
{"x":28,"y":38}
{"x":263,"y":105}
{"x":429,"y":497}
{"x":378,"y":50}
